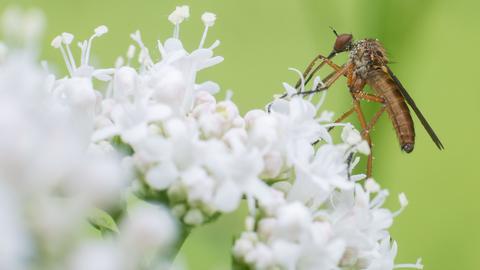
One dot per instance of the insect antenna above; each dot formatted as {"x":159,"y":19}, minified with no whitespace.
{"x":334,"y":31}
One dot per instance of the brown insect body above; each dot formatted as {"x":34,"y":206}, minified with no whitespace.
{"x":368,"y":65}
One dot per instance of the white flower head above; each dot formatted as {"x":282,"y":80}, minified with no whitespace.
{"x":199,"y":155}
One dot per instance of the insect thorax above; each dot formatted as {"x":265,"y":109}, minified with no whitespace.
{"x":366,"y":55}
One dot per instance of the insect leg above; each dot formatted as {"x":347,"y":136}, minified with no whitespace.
{"x":309,"y":68}
{"x":326,"y":78}
{"x":325,"y":86}
{"x":366,"y":136}
{"x":374,"y":119}
{"x":307,"y":72}
{"x":341,"y":118}
{"x":368,"y":97}
{"x":330,"y":76}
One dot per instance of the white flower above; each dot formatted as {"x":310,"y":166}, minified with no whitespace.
{"x":162,"y":176}
{"x":147,"y":228}
{"x":317,"y":178}
{"x":24,"y":26}
{"x":350,"y":135}
{"x":96,"y":256}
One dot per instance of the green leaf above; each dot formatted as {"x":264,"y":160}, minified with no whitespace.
{"x":102,"y":221}
{"x":121,"y":146}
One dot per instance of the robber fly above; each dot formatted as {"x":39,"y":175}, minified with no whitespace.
{"x":367,"y":65}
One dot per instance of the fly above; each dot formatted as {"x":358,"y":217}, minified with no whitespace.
{"x":368,"y":65}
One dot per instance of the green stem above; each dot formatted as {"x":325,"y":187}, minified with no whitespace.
{"x":182,"y":237}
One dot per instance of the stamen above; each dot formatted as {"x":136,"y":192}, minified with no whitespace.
{"x":67,"y":40}
{"x":144,"y":54}
{"x":161,"y":49}
{"x":321,"y":101}
{"x":208,"y":20}
{"x":99,"y":31}
{"x":57,"y":43}
{"x":214,"y":45}
{"x":229,"y":94}
{"x":176,"y":31}
{"x":402,"y":198}
{"x":301,"y":78}
{"x":119,"y":62}
{"x":379,"y":200}
{"x":204,"y":36}
{"x":177,"y":17}
{"x":130,"y":54}
{"x":83,"y":47}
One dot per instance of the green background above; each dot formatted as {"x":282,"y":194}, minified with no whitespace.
{"x":434,"y":47}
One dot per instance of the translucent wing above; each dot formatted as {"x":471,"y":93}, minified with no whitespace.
{"x":419,"y":114}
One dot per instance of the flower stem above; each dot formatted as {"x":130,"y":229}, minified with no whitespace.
{"x":182,"y":237}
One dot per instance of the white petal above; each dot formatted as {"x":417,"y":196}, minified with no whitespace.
{"x":210,"y":62}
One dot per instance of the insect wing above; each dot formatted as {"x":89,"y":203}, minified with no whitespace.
{"x":419,"y":114}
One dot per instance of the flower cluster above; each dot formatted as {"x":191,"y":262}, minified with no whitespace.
{"x":71,"y":153}
{"x":320,"y":216}
{"x":52,"y":183}
{"x":348,"y":231}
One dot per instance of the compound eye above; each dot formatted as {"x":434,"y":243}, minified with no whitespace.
{"x":342,"y":43}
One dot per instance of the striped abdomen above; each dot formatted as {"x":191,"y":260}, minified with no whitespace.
{"x":397,"y":109}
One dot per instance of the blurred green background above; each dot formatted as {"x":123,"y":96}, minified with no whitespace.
{"x":433,"y":44}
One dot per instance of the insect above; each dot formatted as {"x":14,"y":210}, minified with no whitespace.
{"x":368,"y":65}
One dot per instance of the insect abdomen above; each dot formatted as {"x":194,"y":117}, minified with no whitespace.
{"x":396,"y":107}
